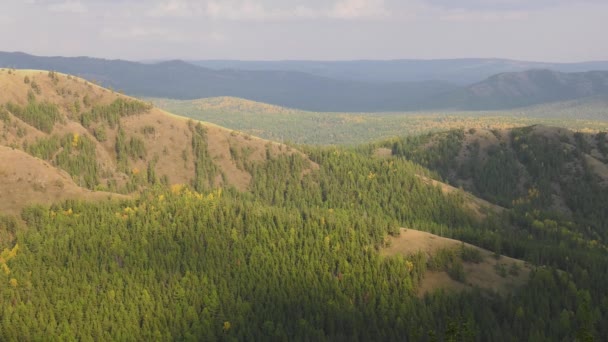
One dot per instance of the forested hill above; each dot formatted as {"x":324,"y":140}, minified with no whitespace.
{"x":520,"y":89}
{"x":552,"y":168}
{"x":228,"y":237}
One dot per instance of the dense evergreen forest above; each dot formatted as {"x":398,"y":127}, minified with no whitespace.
{"x":294,"y":258}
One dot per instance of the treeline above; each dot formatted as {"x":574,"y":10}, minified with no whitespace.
{"x":110,"y":114}
{"x":73,"y":153}
{"x":205,"y":170}
{"x":41,"y":115}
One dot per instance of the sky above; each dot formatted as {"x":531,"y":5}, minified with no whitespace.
{"x":536,"y":30}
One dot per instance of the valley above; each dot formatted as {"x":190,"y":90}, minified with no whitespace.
{"x":323,"y":128}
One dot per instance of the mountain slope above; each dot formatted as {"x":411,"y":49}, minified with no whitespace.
{"x":25,"y":181}
{"x":107,"y":141}
{"x":537,"y":167}
{"x":484,"y":271}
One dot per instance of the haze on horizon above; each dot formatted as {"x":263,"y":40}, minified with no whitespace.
{"x":542,"y":30}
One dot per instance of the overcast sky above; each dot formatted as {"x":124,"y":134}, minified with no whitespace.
{"x":541,"y":30}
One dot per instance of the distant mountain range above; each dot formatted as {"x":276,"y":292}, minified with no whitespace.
{"x":463,"y":71}
{"x":406,"y":85}
{"x":519,"y":89}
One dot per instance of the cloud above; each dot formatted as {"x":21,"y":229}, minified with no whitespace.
{"x":175,"y":8}
{"x":353,"y":9}
{"x":68,"y":6}
{"x":155,"y":34}
{"x":504,"y":5}
{"x":470,"y":16}
{"x":250,"y":10}
{"x":242,"y":10}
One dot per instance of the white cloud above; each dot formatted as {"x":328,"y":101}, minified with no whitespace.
{"x":175,"y":8}
{"x":243,"y":10}
{"x":354,"y":9}
{"x":251,"y":10}
{"x":141,"y":33}
{"x":68,"y":6}
{"x":495,"y":6}
{"x":470,"y":16}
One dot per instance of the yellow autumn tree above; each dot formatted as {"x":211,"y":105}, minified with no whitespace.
{"x":75,"y":139}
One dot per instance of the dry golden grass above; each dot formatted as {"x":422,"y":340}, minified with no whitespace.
{"x":170,"y":141}
{"x":482,"y":275}
{"x":25,"y":180}
{"x":383,"y":152}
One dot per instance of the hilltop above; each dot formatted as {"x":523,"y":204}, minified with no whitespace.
{"x":107,"y":141}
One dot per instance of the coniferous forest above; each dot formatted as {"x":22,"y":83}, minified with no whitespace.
{"x":295,"y":258}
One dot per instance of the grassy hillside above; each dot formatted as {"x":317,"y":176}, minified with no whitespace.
{"x":456,"y":266}
{"x":109,"y":142}
{"x":25,"y":181}
{"x":302,"y":127}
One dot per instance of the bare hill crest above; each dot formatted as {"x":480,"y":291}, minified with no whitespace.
{"x":110,"y":142}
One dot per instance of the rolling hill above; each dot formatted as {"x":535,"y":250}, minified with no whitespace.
{"x":512,"y":90}
{"x":109,"y":142}
{"x":549,"y":168}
